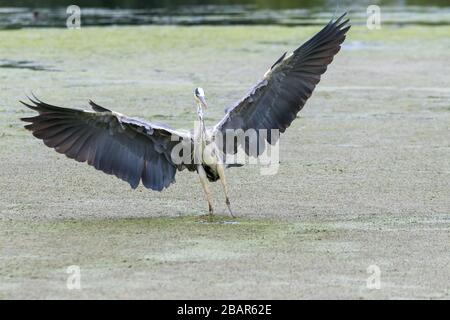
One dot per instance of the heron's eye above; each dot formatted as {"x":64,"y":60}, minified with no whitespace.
{"x":196,"y":92}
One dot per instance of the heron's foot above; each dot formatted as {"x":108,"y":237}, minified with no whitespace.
{"x":208,"y":218}
{"x":227,"y":201}
{"x":211,"y":211}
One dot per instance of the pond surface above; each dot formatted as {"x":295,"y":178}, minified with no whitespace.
{"x":24,"y":13}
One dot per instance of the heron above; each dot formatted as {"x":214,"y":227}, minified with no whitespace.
{"x":139,"y":151}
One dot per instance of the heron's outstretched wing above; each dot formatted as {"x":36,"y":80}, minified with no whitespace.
{"x":131,"y":149}
{"x":275,"y":101}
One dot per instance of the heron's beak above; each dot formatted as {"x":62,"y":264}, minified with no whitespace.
{"x":203,"y":102}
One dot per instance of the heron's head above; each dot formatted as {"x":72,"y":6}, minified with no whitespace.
{"x":199,"y":95}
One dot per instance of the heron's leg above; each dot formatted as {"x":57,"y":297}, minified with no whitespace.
{"x":204,"y":181}
{"x":223,"y":180}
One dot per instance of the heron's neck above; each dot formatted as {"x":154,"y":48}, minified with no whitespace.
{"x":201,"y":121}
{"x":200,"y":114}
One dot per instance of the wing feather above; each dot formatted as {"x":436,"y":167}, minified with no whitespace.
{"x":273,"y":103}
{"x":131,"y":149}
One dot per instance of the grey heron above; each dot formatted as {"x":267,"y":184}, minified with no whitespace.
{"x":138,"y":151}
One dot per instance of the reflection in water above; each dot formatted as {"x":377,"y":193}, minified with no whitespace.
{"x":23,"y":64}
{"x":24,"y":13}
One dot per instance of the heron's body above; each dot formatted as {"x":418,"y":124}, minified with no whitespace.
{"x":139,"y":151}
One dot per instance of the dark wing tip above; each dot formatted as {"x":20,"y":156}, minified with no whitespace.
{"x":35,"y":100}
{"x":97,"y":107}
{"x":278,"y":61}
{"x":341,"y":17}
{"x":28,"y":119}
{"x":28,"y":105}
{"x":341,"y":24}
